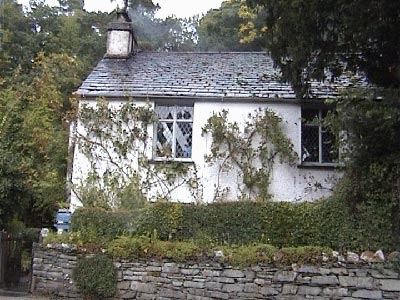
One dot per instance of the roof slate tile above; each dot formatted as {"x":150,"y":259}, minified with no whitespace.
{"x":230,"y":75}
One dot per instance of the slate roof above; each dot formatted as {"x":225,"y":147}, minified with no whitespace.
{"x":249,"y":75}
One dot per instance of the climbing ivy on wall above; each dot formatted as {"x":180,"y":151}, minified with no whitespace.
{"x":117,"y":142}
{"x":252,"y":150}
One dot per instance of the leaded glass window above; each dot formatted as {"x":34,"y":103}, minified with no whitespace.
{"x":317,"y":142}
{"x":174,"y":131}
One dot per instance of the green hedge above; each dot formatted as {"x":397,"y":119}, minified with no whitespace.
{"x":327,"y":223}
{"x":99,"y":225}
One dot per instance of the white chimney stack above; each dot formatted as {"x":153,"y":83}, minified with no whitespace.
{"x":120,"y":39}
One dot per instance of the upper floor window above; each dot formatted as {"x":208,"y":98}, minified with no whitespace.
{"x":173,"y":136}
{"x":317,"y":142}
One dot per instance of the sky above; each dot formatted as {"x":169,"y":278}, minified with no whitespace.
{"x":179,"y":8}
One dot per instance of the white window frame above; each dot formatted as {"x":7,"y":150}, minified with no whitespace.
{"x":175,"y":121}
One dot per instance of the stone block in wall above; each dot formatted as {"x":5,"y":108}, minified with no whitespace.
{"x":367,"y":294}
{"x":358,"y":282}
{"x":124,"y":285}
{"x":144,"y":296}
{"x":390,"y":285}
{"x":170,"y":268}
{"x":268,"y":291}
{"x":191,"y":271}
{"x":225,"y":280}
{"x":232,"y":273}
{"x":169,"y":293}
{"x":284,"y":276}
{"x":335,"y":293}
{"x":233,"y":288}
{"x":213,"y":286}
{"x":251,"y":288}
{"x":195,"y":297}
{"x":289,"y":289}
{"x":309,"y":290}
{"x":218,"y":295}
{"x":194,"y":284}
{"x":148,"y":288}
{"x":211,"y":273}
{"x":339,"y":271}
{"x":325,"y":280}
{"x":128,"y":295}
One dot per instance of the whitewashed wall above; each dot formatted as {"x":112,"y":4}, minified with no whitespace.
{"x":289,"y":183}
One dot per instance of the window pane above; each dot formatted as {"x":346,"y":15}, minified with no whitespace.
{"x":310,"y":143}
{"x":183,"y":140}
{"x":165,"y":112}
{"x":164,"y":139}
{"x":329,"y":151}
{"x":184,"y":112}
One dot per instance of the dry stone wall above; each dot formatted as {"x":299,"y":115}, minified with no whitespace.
{"x":139,"y":279}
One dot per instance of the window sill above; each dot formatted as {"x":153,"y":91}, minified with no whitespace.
{"x":170,"y":161}
{"x":316,"y":165}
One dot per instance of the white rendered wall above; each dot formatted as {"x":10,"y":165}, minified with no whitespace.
{"x":288,"y":183}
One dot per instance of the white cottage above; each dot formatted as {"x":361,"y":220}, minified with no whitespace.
{"x":184,"y":90}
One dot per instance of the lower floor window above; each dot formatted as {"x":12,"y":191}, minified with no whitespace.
{"x":174,"y":132}
{"x":317,"y":142}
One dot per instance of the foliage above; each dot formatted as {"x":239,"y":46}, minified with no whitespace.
{"x":34,"y":139}
{"x":326,"y":223}
{"x":252,"y":151}
{"x":116,"y":142}
{"x":39,"y":69}
{"x":219,"y":223}
{"x":248,"y":255}
{"x":368,"y":122}
{"x":95,"y":277}
{"x":143,"y":247}
{"x":302,"y":255}
{"x":307,"y":37}
{"x":219,"y":29}
{"x":96,"y":225}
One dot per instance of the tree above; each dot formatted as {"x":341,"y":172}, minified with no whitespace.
{"x":307,"y":37}
{"x":34,"y":140}
{"x":220,"y":29}
{"x":170,"y":34}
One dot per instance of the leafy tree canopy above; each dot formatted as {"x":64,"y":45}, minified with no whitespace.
{"x":221,"y":29}
{"x":306,"y":37}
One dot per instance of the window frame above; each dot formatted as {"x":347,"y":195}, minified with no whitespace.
{"x":174,"y":121}
{"x":333,"y":164}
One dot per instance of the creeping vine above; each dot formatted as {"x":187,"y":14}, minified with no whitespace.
{"x":252,"y":151}
{"x":117,"y":142}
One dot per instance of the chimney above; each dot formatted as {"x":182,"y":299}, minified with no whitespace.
{"x":120,"y":39}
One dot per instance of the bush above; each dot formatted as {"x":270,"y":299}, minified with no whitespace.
{"x":143,"y":247}
{"x":224,"y":223}
{"x":326,"y":223}
{"x":96,"y":225}
{"x":95,"y":277}
{"x":244,"y":256}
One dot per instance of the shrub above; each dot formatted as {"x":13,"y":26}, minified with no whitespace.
{"x":126,"y":246}
{"x":326,"y":223}
{"x":143,"y":247}
{"x":96,"y":225}
{"x":95,"y":277}
{"x":223,"y":223}
{"x":307,"y":254}
{"x":244,"y":256}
